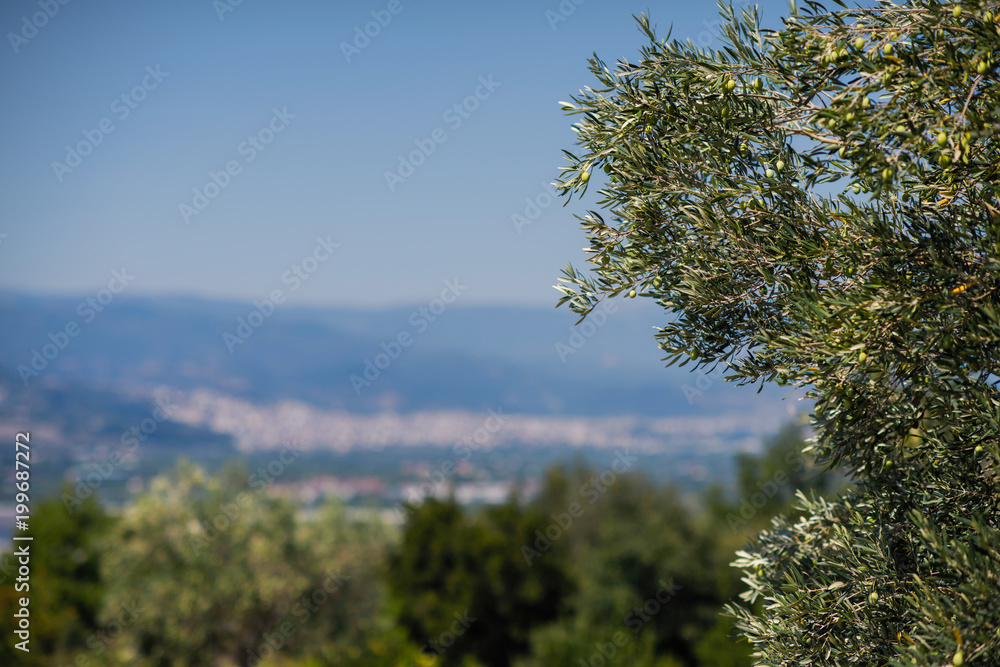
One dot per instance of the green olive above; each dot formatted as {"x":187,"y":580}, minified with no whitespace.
{"x":944,"y":160}
{"x":887,"y":174}
{"x":585,"y":176}
{"x":779,"y":165}
{"x":657,"y":282}
{"x":859,"y":43}
{"x":979,"y":450}
{"x":958,"y":659}
{"x":857,"y":189}
{"x":865,"y":103}
{"x":842,"y":152}
{"x":862,"y":356}
{"x":957,"y":11}
{"x":887,"y":49}
{"x":942,"y":139}
{"x":758,"y":84}
{"x":730,"y":85}
{"x":981,"y":67}
{"x":872,"y":597}
{"x":631,"y":294}
{"x":769,"y":173}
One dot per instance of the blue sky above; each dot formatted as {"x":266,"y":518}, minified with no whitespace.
{"x":308,"y":133}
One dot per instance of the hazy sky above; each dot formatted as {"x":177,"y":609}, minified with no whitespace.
{"x":205,"y":146}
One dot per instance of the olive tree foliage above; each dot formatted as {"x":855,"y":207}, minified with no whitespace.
{"x":817,"y":206}
{"x":221,"y":573}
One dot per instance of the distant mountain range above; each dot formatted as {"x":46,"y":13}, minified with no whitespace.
{"x":403,"y":360}
{"x":360,"y":392}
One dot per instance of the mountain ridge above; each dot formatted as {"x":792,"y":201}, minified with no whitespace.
{"x":470,"y":357}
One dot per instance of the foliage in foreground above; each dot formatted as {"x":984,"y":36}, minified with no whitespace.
{"x":64,"y":584}
{"x":605,"y":568}
{"x":223,"y":573}
{"x":194,"y":573}
{"x":818,"y":206}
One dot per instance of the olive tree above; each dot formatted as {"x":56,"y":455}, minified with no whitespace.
{"x":219,"y":572}
{"x":817,"y":206}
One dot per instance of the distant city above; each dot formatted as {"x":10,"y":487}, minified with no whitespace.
{"x":478,"y":409}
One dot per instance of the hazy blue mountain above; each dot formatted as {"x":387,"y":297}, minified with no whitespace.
{"x":467,"y":358}
{"x":81,"y":415}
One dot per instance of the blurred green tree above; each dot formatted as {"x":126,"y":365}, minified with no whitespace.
{"x":219,"y":572}
{"x":647,"y":563}
{"x":766,"y":484}
{"x":66,"y":588}
{"x":463,"y":587}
